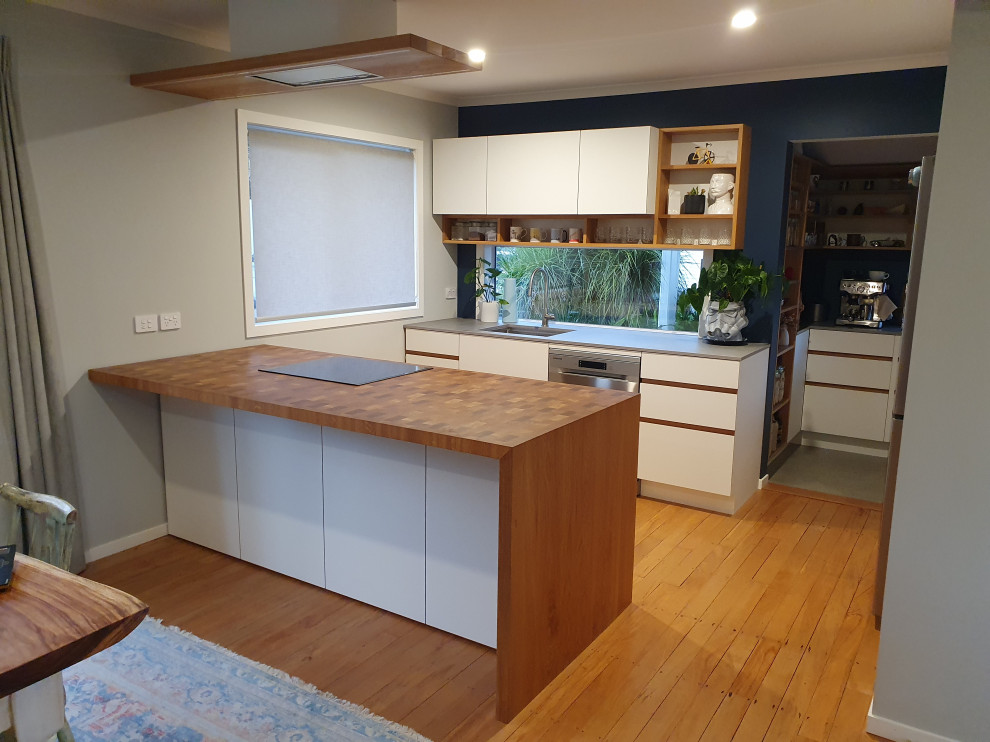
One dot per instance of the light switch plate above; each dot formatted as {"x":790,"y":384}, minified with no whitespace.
{"x":145,"y":323}
{"x":450,"y":293}
{"x":169,"y":320}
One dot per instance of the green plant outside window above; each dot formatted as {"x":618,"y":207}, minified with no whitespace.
{"x":618,"y":288}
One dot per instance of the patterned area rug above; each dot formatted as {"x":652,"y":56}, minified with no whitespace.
{"x":161,"y":683}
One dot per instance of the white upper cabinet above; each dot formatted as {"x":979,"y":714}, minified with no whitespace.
{"x":460,"y":169}
{"x":618,"y":172}
{"x":533,"y":173}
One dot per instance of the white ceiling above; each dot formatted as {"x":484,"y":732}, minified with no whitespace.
{"x":545,"y":49}
{"x":540,"y":49}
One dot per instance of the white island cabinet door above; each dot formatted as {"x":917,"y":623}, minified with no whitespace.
{"x":460,"y":168}
{"x":618,"y":172}
{"x":374,"y":520}
{"x":524,"y":358}
{"x":280,"y":492}
{"x":200,"y":474}
{"x":534,"y":173}
{"x":462,"y":544}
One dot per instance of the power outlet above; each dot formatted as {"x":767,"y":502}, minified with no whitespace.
{"x":169,"y":321}
{"x":450,"y":293}
{"x":145,"y":323}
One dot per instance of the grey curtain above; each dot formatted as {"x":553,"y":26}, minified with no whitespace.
{"x":34,"y":441}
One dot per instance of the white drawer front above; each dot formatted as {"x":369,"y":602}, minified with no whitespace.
{"x":431,"y":361}
{"x":522,"y":358}
{"x":424,"y":341}
{"x":686,"y":458}
{"x":864,"y":344}
{"x":849,"y":371}
{"x":845,"y":412}
{"x":691,"y":370}
{"x":693,"y":406}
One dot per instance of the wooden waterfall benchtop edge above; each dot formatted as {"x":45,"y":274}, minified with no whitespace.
{"x":476,"y":413}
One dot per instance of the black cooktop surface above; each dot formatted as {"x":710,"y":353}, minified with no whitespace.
{"x":347,"y":370}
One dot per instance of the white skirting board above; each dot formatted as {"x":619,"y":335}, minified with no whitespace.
{"x":898,"y":732}
{"x":127,"y":542}
{"x":692,"y":498}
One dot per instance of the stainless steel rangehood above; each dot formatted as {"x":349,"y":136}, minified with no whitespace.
{"x":389,"y":58}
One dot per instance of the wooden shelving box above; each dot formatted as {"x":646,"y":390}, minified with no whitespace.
{"x":730,"y":145}
{"x":790,"y":311}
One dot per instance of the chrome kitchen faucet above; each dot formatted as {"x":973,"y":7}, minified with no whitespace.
{"x":546,"y":293}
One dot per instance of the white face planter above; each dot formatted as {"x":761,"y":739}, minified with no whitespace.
{"x":720,"y":193}
{"x":726,"y":326}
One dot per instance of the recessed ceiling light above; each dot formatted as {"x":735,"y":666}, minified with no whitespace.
{"x":476,"y":55}
{"x":744,"y":19}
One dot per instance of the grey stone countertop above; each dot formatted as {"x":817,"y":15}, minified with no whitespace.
{"x":888,"y":330}
{"x":613,"y":338}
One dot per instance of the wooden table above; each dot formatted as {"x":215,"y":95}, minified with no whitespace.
{"x":567,"y":479}
{"x":51,"y":619}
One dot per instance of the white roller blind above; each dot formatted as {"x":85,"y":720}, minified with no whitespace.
{"x":332,"y":225}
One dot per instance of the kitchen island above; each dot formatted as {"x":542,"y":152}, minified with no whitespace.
{"x":419,"y":455}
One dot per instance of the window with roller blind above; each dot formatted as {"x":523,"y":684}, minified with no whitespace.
{"x":330,"y":225}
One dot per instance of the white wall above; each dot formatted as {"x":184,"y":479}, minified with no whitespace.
{"x":933,"y":671}
{"x":136,"y":211}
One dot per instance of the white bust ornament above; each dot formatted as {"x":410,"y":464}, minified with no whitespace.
{"x":720,"y":193}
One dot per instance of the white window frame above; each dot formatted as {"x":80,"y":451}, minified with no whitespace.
{"x":252,"y":327}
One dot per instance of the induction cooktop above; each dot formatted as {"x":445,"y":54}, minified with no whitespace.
{"x":347,"y":370}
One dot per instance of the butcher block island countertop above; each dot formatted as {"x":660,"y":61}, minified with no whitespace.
{"x":482,"y":414}
{"x":567,"y":479}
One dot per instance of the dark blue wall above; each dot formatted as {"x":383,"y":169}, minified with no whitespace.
{"x":875,"y":104}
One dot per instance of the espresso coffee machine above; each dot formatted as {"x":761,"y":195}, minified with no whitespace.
{"x":858,"y":302}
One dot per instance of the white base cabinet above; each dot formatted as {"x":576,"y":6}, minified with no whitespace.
{"x":850,"y":380}
{"x":280,"y":495}
{"x":521,"y":358}
{"x":374,"y":521}
{"x":406,"y":528}
{"x":462,"y":544}
{"x":200,"y":474}
{"x":698,"y":440}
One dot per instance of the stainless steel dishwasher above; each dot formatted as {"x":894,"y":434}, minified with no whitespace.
{"x":602,"y":370}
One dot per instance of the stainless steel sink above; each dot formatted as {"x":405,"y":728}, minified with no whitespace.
{"x":527,"y":330}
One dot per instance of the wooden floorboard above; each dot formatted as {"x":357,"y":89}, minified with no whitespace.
{"x":752,"y":627}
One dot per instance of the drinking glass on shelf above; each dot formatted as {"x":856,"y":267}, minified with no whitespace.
{"x":617,"y":235}
{"x":724,"y":235}
{"x":645,"y":235}
{"x":689,"y":236}
{"x":631,"y":236}
{"x":705,"y":235}
{"x":602,"y":234}
{"x":672,"y":236}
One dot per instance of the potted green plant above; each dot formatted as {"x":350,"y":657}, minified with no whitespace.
{"x":483,"y":277}
{"x":719,"y":297}
{"x":694,"y":202}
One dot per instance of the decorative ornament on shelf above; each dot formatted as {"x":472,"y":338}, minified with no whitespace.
{"x":483,"y":276}
{"x":701,"y":156}
{"x":720,"y":193}
{"x":719,"y":297}
{"x":694,"y":202}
